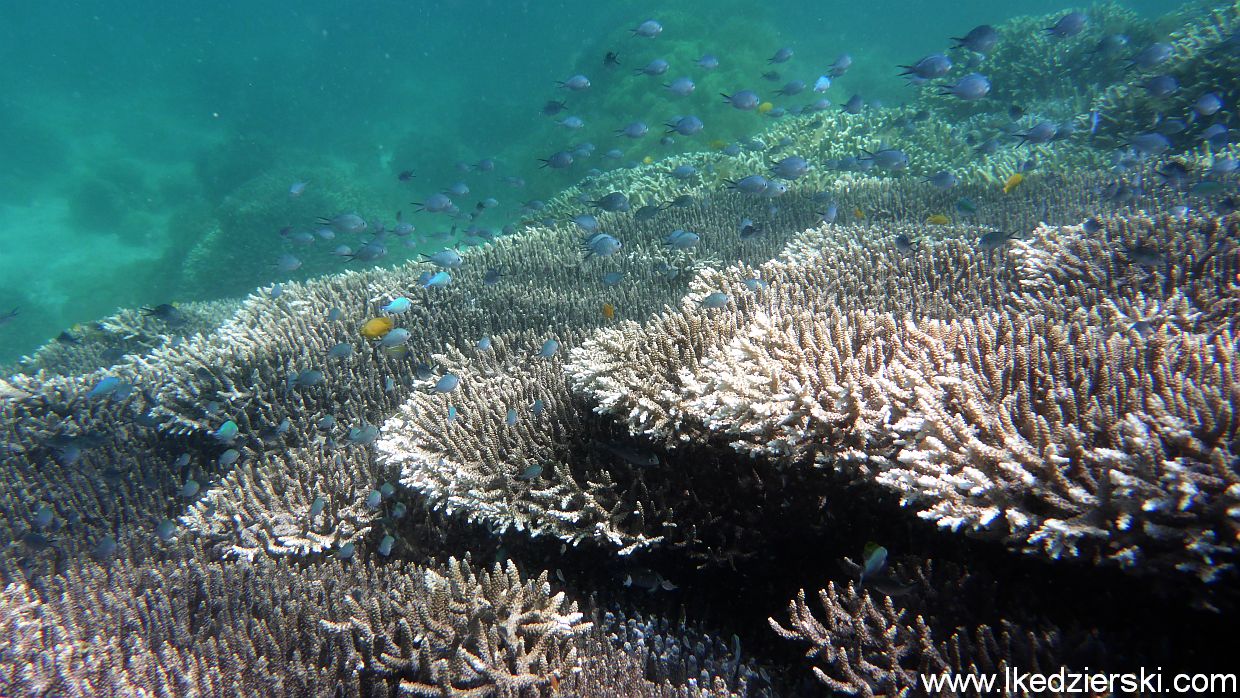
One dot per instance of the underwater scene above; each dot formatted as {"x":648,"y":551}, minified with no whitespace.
{"x":534,"y":349}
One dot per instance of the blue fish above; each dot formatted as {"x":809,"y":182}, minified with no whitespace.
{"x":648,"y":29}
{"x":1069,"y":25}
{"x":1161,"y":86}
{"x":888,"y":158}
{"x":874,"y":561}
{"x":549,"y":348}
{"x":971,"y":87}
{"x":637,"y":129}
{"x":656,"y":67}
{"x":943,"y":180}
{"x":558,"y":161}
{"x":840,"y":65}
{"x":395,"y":337}
{"x":1207,"y":104}
{"x":685,"y":125}
{"x":829,"y":215}
{"x":439,"y":278}
{"x":364,"y":435}
{"x":980,"y":39}
{"x":790,"y":88}
{"x":1151,"y":143}
{"x":104,"y":387}
{"x":447,"y":383}
{"x":586,"y":222}
{"x":745,"y":100}
{"x":601,"y":245}
{"x":936,"y":65}
{"x":449,"y":258}
{"x":226,"y":431}
{"x":681,"y":240}
{"x":385,"y":545}
{"x":781,"y":56}
{"x":791,"y":167}
{"x":753,"y":184}
{"x":309,"y":378}
{"x":681,"y":87}
{"x":165,"y":530}
{"x":715,"y":300}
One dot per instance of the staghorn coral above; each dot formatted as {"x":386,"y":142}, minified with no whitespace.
{"x":85,"y":348}
{"x":265,"y":506}
{"x":460,"y":633}
{"x":93,"y":466}
{"x":181,"y":623}
{"x":978,"y":414}
{"x":336,"y":628}
{"x":552,"y":467}
{"x":868,"y":643}
{"x":536,"y":473}
{"x":922,"y":374}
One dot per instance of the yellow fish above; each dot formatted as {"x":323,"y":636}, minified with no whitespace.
{"x":717,"y":144}
{"x":858,"y":213}
{"x":609,"y":311}
{"x":938,"y":219}
{"x":647,"y":159}
{"x":1013,"y":182}
{"x":765,"y":107}
{"x":376,"y":327}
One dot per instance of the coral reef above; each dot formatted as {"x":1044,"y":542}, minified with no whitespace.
{"x":336,"y":629}
{"x":505,"y":447}
{"x":1202,"y":60}
{"x":268,"y":496}
{"x":104,"y":343}
{"x":972,"y":396}
{"x":268,"y":506}
{"x":868,"y":643}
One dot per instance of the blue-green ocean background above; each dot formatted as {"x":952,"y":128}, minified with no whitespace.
{"x":133,"y":131}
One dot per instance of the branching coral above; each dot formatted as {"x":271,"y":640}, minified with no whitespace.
{"x":1202,"y":59}
{"x":197,"y":626}
{"x":269,"y":505}
{"x":1064,"y":436}
{"x":868,"y":644}
{"x":510,"y":447}
{"x":105,"y":343}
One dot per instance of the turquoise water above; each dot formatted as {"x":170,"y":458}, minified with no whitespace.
{"x":133,"y":130}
